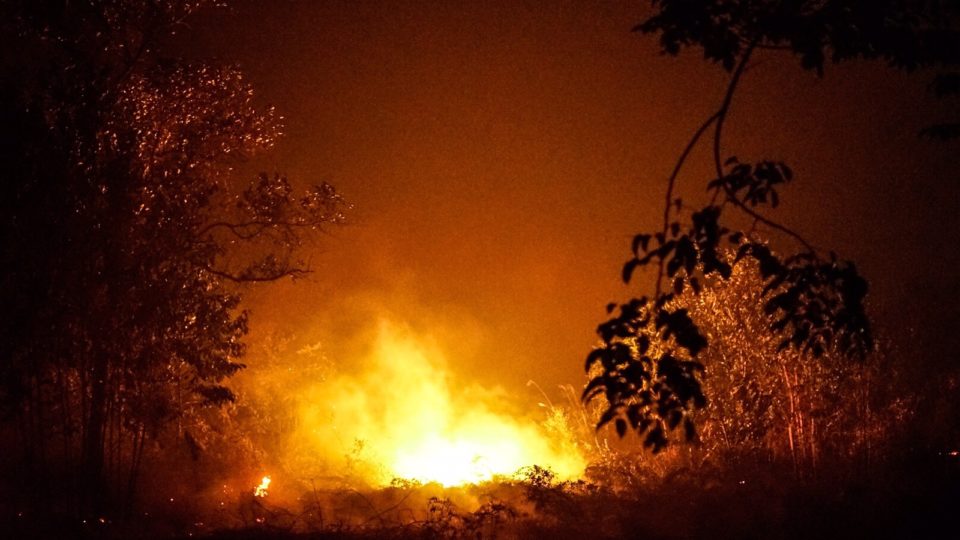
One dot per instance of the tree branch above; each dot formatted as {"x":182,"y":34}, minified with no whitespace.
{"x":236,"y":228}
{"x":672,"y":181}
{"x":252,"y":278}
{"x":721,"y":118}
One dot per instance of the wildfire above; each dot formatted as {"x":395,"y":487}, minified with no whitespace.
{"x":261,"y":490}
{"x":458,"y":461}
{"x":405,"y":417}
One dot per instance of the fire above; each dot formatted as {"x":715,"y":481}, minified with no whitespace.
{"x":462,"y":460}
{"x":261,"y":490}
{"x":404,"y":416}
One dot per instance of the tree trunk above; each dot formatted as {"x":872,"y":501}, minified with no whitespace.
{"x":93,"y":482}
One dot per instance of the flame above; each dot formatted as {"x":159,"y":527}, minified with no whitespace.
{"x":459,"y":459}
{"x":261,"y":490}
{"x":404,"y":416}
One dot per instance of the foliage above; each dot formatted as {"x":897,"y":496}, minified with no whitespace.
{"x":906,"y":34}
{"x":648,"y":365}
{"x":126,"y":232}
{"x":770,"y":403}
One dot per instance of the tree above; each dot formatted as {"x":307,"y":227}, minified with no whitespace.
{"x":770,"y":404}
{"x":647,"y":366}
{"x":126,"y":235}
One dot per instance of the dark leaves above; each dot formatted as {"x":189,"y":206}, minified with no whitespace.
{"x":905,"y":35}
{"x":753,"y":185}
{"x":646,"y":367}
{"x":678,"y":325}
{"x":648,"y":360}
{"x":681,"y":23}
{"x":647,"y":393}
{"x":816,"y":305}
{"x":621,"y":425}
{"x":216,"y":394}
{"x":640,"y":243}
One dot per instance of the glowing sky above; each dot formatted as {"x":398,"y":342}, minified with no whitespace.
{"x":502,"y":154}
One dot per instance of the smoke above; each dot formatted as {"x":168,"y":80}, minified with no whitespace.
{"x":382,"y":402}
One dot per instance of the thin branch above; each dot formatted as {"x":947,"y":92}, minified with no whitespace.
{"x":769,"y":223}
{"x":725,"y":106}
{"x":148,"y":37}
{"x":253,"y":278}
{"x":672,"y":181}
{"x":235,"y":228}
{"x":717,"y":138}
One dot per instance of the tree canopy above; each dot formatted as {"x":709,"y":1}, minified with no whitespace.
{"x":127,"y":232}
{"x":648,"y":365}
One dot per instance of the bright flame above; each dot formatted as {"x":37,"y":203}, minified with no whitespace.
{"x":261,"y":490}
{"x":458,"y":460}
{"x":405,"y":417}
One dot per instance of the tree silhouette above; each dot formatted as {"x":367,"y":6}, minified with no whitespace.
{"x":647,"y":366}
{"x":768,"y":403}
{"x":126,"y":235}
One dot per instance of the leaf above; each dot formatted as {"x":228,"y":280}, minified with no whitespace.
{"x":643,"y":344}
{"x":656,"y":440}
{"x":606,"y":417}
{"x":634,"y":415}
{"x":587,"y":398}
{"x":595,"y":356}
{"x":724,"y":269}
{"x":787,"y":171}
{"x":216,"y":394}
{"x":629,"y":268}
{"x":674,"y":265}
{"x":621,"y":425}
{"x":640,"y":241}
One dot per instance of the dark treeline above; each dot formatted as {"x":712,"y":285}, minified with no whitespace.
{"x":125,"y":237}
{"x":648,"y":368}
{"x":754,"y":341}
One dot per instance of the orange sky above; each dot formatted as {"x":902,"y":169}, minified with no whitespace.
{"x":502,"y":154}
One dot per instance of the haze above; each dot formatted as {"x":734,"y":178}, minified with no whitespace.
{"x":502,"y":154}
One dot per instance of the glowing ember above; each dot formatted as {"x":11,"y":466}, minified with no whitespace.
{"x":261,"y":490}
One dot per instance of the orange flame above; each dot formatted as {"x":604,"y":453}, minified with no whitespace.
{"x":261,"y":490}
{"x":406,"y":417}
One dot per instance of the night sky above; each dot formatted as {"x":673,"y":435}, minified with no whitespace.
{"x":501,"y":155}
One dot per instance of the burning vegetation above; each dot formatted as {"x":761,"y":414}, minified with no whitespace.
{"x":399,"y":414}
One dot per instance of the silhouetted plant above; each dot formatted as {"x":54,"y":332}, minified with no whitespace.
{"x":648,"y":365}
{"x":126,"y":233}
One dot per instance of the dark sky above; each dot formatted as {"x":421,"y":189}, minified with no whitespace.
{"x":502,"y":154}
